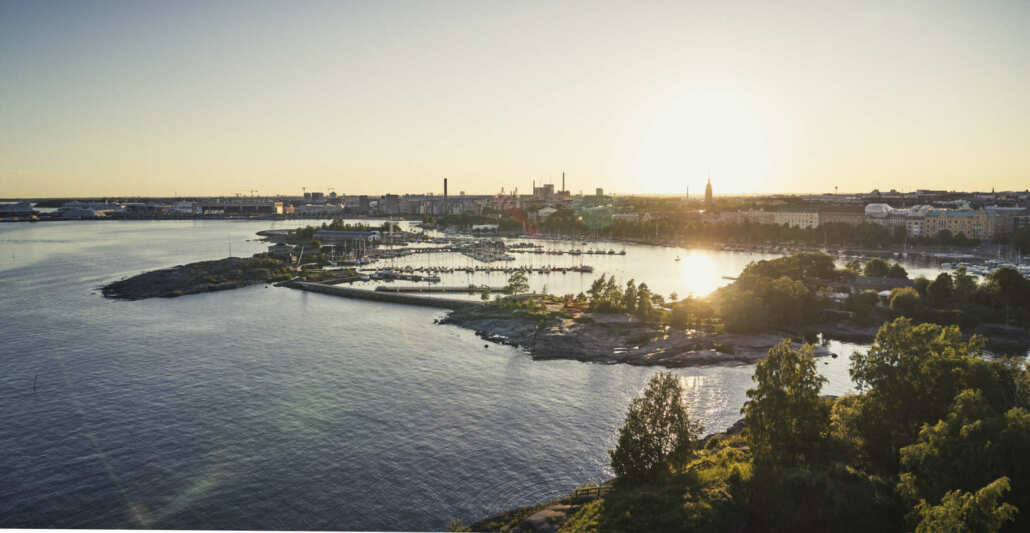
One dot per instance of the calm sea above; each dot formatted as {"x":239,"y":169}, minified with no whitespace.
{"x":269,"y":408}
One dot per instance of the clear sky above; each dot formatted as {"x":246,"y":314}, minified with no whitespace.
{"x":213,"y":97}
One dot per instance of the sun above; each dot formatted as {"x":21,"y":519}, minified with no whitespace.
{"x":699,"y":133}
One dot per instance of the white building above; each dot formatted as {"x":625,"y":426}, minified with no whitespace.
{"x":797,"y":219}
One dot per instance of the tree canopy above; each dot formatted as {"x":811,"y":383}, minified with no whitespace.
{"x":657,"y":429}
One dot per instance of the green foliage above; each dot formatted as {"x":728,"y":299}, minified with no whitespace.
{"x":877,"y":268}
{"x":785,"y":416}
{"x":961,"y":512}
{"x":783,"y":293}
{"x":909,"y":376}
{"x":517,"y":283}
{"x":629,"y":296}
{"x":897,"y":271}
{"x":656,"y":430}
{"x":799,"y":266}
{"x":937,"y":435}
{"x":976,"y":442}
{"x":941,"y":289}
{"x":757,"y":303}
{"x":904,"y":301}
{"x":920,"y":284}
{"x":645,"y":308}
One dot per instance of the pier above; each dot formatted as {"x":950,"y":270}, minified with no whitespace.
{"x":467,"y":289}
{"x":379,"y":296}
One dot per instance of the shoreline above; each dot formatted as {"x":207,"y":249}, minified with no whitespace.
{"x":616,"y":339}
{"x":550,"y":514}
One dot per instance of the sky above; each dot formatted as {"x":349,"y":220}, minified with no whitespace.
{"x":158,"y":98}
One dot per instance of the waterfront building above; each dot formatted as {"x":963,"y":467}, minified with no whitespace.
{"x":796,"y":219}
{"x":913,"y":219}
{"x":974,"y":224}
{"x":1006,"y":221}
{"x":852,"y":215}
{"x":725,"y":217}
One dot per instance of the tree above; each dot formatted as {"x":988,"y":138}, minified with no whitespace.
{"x":920,"y":284}
{"x":680,"y":316}
{"x":596,"y":292}
{"x":876,"y":268}
{"x":785,"y":416}
{"x":940,"y":290}
{"x":964,"y":285}
{"x":909,"y":377}
{"x":657,"y":429}
{"x":961,"y":512}
{"x":897,"y":271}
{"x":517,"y":283}
{"x":904,"y":301}
{"x":1009,"y":286}
{"x":645,"y":305}
{"x":629,"y":297}
{"x":975,"y":443}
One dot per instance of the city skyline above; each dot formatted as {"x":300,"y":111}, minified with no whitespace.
{"x":197,"y":99}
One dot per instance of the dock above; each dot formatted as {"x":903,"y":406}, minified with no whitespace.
{"x":472,"y":289}
{"x":378,"y":296}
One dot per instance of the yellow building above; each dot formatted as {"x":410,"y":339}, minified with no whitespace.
{"x":978,"y":224}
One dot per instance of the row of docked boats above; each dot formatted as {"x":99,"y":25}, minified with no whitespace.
{"x":542,"y":251}
{"x":988,"y":267}
{"x":410,"y":270}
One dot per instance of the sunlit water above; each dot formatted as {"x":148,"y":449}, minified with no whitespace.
{"x":270,"y":408}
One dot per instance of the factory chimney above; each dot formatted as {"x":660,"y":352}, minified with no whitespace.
{"x":445,"y":196}
{"x":563,"y":181}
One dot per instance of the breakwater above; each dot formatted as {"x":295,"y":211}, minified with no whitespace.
{"x":389,"y":297}
{"x":466,"y":289}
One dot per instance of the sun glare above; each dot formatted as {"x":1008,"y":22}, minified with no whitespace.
{"x":702,"y":133}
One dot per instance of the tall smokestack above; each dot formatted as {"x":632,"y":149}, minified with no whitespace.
{"x":445,"y":196}
{"x":563,"y":181}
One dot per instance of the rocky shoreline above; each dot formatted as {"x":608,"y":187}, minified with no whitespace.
{"x":195,"y":278}
{"x":549,"y":516}
{"x":615,"y":338}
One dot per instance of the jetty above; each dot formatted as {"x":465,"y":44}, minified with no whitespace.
{"x":381,"y":296}
{"x":465,"y":289}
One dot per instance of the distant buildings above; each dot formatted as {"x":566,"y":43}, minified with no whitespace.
{"x":20,"y":209}
{"x":708,"y":191}
{"x":957,"y":217}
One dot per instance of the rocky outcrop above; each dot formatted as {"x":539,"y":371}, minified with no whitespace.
{"x":614,"y":338}
{"x":205,"y":276}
